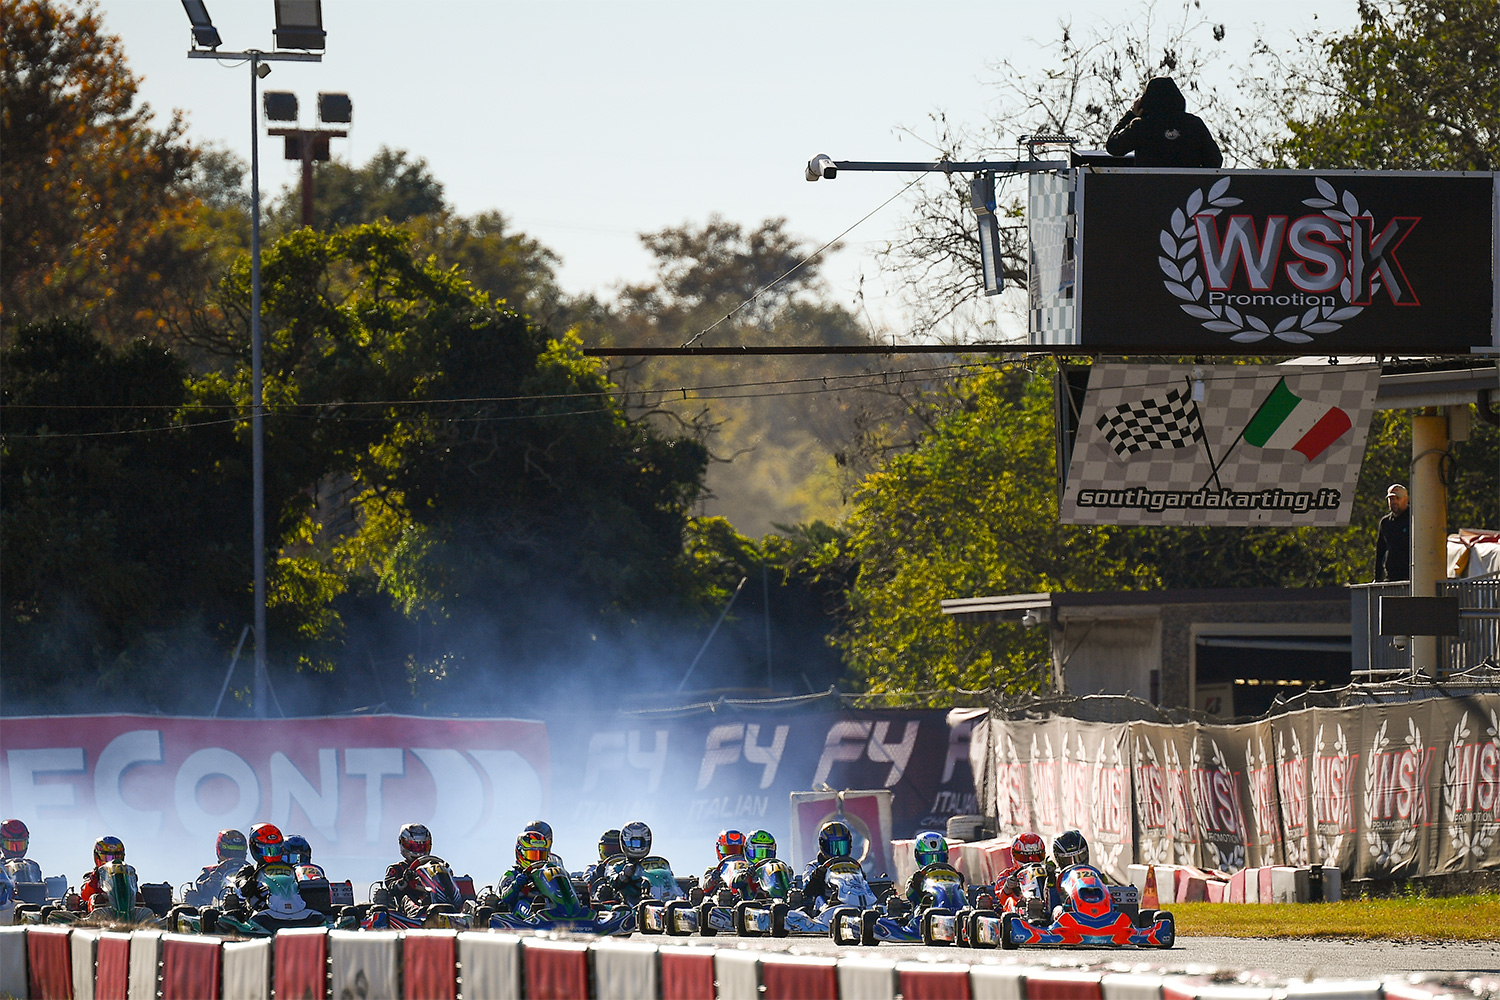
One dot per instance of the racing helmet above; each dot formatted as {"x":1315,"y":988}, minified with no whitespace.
{"x":296,"y":850}
{"x":835,"y":840}
{"x":415,"y":840}
{"x":609,"y":844}
{"x":635,"y":840}
{"x":1070,"y":849}
{"x":730,"y":843}
{"x":266,"y":843}
{"x":230,"y":845}
{"x":1028,"y":849}
{"x":108,"y":849}
{"x":14,"y":838}
{"x":760,"y":846}
{"x":931,"y":848}
{"x":531,"y":847}
{"x":541,"y":826}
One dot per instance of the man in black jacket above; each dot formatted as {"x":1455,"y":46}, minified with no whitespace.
{"x":1393,"y":538}
{"x":1161,"y":133}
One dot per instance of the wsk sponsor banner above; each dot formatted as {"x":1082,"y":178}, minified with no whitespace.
{"x":1285,"y":262}
{"x":1058,"y":775}
{"x":1232,"y":445}
{"x":166,"y":785}
{"x":690,"y":776}
{"x":1378,"y":790}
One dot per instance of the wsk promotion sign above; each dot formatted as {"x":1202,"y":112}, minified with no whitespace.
{"x":1268,"y":262}
{"x":1231,"y":445}
{"x":1378,"y":790}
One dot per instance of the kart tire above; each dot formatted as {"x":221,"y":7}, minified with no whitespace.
{"x":208,"y":920}
{"x":867,"y":928}
{"x":1169,"y":929}
{"x":640,"y":918}
{"x":695,"y":896}
{"x":1145,"y":918}
{"x":778,"y":919}
{"x":836,"y":925}
{"x":482,"y":916}
{"x":737,"y":918}
{"x":974,"y":927}
{"x":927,"y":937}
{"x":1006,"y":920}
{"x":704,"y":927}
{"x":669,"y":917}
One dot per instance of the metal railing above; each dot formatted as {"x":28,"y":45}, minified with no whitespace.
{"x":1478,"y":636}
{"x":1377,"y":657}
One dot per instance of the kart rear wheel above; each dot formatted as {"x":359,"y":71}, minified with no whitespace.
{"x":1168,"y":936}
{"x":640,"y":918}
{"x":669,"y":917}
{"x":741,"y":926}
{"x":974,"y":919}
{"x":927,"y":937}
{"x":704,"y":927}
{"x":867,"y":927}
{"x":1006,"y":941}
{"x":208,"y":920}
{"x":1145,"y":918}
{"x":778,"y":919}
{"x":836,"y":926}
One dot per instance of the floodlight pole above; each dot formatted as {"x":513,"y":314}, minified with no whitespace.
{"x":257,"y":399}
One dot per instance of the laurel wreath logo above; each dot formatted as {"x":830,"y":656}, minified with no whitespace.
{"x":1294,"y":834}
{"x":1179,"y":266}
{"x":1154,"y":850}
{"x":1330,"y":848}
{"x":1475,"y":842}
{"x":1388,"y":853}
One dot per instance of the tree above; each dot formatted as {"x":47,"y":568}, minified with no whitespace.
{"x":97,"y":217}
{"x":1416,"y":86}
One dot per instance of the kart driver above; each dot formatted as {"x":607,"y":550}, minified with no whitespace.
{"x":931,"y":851}
{"x":609,"y":847}
{"x":90,"y":890}
{"x":14,"y":839}
{"x":835,"y":843}
{"x":624,"y":884}
{"x":545,"y":829}
{"x":1069,"y":849}
{"x":1027,"y":849}
{"x":415,"y":841}
{"x":265,"y":845}
{"x":731,"y":844}
{"x":231,"y":848}
{"x":517,"y":890}
{"x":760,"y":846}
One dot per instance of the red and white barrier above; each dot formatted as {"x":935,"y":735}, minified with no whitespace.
{"x":145,"y":964}
{"x":82,"y":946}
{"x":247,"y":969}
{"x":998,"y":982}
{"x":933,"y":980}
{"x":1334,"y":989}
{"x":112,"y":967}
{"x":1204,"y":988}
{"x":491,"y":964}
{"x":13,"y":962}
{"x":798,"y":977}
{"x":555,"y":970}
{"x":300,"y":966}
{"x":49,"y":963}
{"x":190,"y":967}
{"x":687,"y":973}
{"x":364,"y":963}
{"x":738,"y":973}
{"x":1131,"y":986}
{"x":866,"y":979}
{"x":429,"y":965}
{"x":1063,"y":984}
{"x":624,"y":968}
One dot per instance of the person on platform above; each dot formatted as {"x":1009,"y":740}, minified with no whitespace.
{"x":1160,"y":132}
{"x":1393,"y":538}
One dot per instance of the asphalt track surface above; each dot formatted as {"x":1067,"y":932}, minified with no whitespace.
{"x":1303,"y":958}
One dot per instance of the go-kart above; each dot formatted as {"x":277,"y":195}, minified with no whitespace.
{"x":281,"y":906}
{"x":850,"y":893}
{"x":941,"y":916}
{"x":644,"y":890}
{"x":754,"y":905}
{"x":555,"y":906}
{"x":434,"y":881}
{"x":1084,"y":911}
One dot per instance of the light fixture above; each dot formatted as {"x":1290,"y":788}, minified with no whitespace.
{"x":982,"y":197}
{"x":335,"y":108}
{"x":281,"y":106}
{"x":204,"y":32}
{"x":299,"y":24}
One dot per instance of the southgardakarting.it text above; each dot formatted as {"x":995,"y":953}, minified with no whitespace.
{"x":1270,"y":499}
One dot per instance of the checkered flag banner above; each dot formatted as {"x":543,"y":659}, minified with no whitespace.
{"x":1169,"y":421}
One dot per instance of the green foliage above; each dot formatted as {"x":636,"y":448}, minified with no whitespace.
{"x":1415,"y":87}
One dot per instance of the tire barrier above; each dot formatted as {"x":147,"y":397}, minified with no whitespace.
{"x":39,"y":962}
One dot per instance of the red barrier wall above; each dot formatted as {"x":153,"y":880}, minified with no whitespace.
{"x":934,"y":984}
{"x":112,"y":981}
{"x":300,"y":964}
{"x":429,"y":961}
{"x":799,"y":978}
{"x":1059,"y":985}
{"x":687,"y":975}
{"x":556,"y":970}
{"x":49,"y":963}
{"x":190,"y":968}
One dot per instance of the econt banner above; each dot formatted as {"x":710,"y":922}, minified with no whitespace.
{"x":166,"y":786}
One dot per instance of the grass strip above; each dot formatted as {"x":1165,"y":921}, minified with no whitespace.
{"x":1453,"y":918}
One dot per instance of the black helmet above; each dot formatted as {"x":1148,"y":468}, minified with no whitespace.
{"x":230,"y":844}
{"x":609,"y":844}
{"x":1070,"y":849}
{"x":835,"y":840}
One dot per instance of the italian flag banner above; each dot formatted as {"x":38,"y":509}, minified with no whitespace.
{"x":1286,"y":420}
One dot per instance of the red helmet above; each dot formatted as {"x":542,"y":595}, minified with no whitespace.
{"x":265,"y":843}
{"x":14,"y":838}
{"x":415,"y":840}
{"x":731,"y":842}
{"x":1028,"y":849}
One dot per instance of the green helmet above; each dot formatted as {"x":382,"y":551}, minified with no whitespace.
{"x":761,"y":846}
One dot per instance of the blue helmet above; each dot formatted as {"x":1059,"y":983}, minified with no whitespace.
{"x":295,"y":850}
{"x":931,"y":848}
{"x":835,"y":840}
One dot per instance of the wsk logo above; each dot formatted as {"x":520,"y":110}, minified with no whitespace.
{"x":1301,"y":276}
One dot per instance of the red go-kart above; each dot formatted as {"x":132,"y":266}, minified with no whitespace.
{"x":1086,"y":914}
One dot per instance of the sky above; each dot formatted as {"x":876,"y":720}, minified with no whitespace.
{"x":588,"y":123}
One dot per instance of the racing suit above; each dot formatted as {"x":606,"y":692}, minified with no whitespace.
{"x":713,"y":878}
{"x":209,"y":885}
{"x":516,"y":889}
{"x":815,"y":887}
{"x":246,"y":882}
{"x":91,"y":891}
{"x":914,"y":885}
{"x":405,"y":892}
